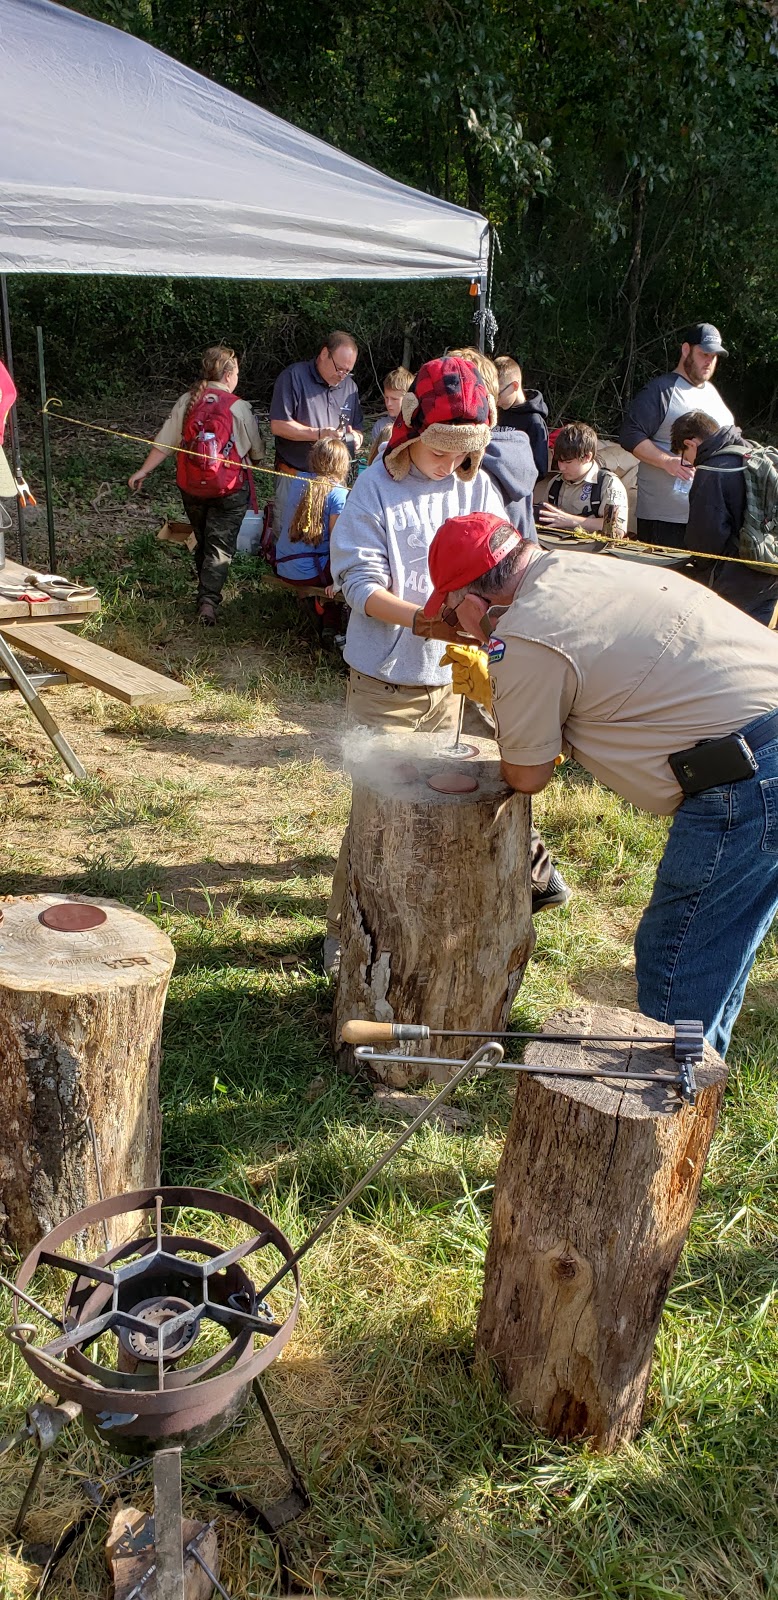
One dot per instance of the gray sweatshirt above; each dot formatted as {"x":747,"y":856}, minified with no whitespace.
{"x":380,"y":541}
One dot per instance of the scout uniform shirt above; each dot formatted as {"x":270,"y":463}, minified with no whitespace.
{"x":620,"y":665}
{"x":577,"y":497}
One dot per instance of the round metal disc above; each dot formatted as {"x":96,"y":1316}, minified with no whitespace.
{"x":72,"y":917}
{"x":459,"y":752}
{"x":453,"y":783}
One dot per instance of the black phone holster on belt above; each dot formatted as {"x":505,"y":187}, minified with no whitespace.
{"x":713,"y":762}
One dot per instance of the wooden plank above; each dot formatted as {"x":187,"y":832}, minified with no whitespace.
{"x":85,"y":662}
{"x":44,"y":609}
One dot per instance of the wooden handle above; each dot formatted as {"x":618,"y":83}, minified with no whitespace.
{"x":363,"y":1032}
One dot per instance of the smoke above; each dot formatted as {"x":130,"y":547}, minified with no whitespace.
{"x":390,"y":763}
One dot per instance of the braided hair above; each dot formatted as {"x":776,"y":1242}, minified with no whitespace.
{"x":218,"y":362}
{"x":329,"y":461}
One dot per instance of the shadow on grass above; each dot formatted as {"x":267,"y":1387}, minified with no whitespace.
{"x":194,"y":887}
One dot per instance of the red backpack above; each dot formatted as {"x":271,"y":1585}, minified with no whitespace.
{"x":209,"y":466}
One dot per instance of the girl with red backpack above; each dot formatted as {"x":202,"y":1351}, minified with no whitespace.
{"x":214,"y":433}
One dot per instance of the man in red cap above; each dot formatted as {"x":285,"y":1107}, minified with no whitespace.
{"x":430,"y":470}
{"x":642,"y":677}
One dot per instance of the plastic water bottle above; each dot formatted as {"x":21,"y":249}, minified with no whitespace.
{"x":682,"y":485}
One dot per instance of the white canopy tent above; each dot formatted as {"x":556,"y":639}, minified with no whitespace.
{"x":117,"y":159}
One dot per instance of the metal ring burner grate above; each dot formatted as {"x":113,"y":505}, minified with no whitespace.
{"x":161,"y":1336}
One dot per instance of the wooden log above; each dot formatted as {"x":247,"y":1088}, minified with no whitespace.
{"x":436,"y":924}
{"x":80,"y":1025}
{"x":593,"y":1199}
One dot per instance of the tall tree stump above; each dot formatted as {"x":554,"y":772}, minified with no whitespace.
{"x":80,"y":1024}
{"x":592,"y":1203}
{"x":437,"y":921}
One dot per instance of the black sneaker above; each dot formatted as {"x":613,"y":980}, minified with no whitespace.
{"x":556,"y":893}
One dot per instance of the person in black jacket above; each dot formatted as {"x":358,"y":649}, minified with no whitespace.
{"x":717,"y":507}
{"x":523,"y":410}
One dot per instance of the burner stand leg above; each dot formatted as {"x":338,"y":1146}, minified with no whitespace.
{"x":21,"y":1514}
{"x":297,"y":1501}
{"x":168,"y":1535}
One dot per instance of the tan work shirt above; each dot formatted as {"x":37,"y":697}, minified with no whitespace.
{"x":620,"y":665}
{"x":576,"y":498}
{"x":246,"y":434}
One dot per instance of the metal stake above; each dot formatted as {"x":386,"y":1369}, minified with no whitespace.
{"x":13,"y":418}
{"x":47,"y":473}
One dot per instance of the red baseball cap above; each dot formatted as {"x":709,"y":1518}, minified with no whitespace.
{"x":460,"y":553}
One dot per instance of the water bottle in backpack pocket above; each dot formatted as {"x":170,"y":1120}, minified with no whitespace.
{"x":209,"y":466}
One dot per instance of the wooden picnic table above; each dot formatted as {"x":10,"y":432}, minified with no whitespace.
{"x":38,"y":629}
{"x":44,"y":609}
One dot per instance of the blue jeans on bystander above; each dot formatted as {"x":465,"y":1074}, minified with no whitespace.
{"x":715,"y":896}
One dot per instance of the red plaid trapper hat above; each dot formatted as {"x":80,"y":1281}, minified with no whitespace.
{"x":449,"y":405}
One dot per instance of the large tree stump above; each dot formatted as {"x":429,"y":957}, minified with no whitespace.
{"x":80,"y":1024}
{"x":593,"y":1199}
{"x":437,"y":924}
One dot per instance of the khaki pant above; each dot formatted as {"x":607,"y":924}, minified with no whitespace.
{"x":371,"y":703}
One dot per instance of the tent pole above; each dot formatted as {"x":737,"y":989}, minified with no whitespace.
{"x":47,"y":474}
{"x":12,"y":415}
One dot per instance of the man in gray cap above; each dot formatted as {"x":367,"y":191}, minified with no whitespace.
{"x":664,"y":479}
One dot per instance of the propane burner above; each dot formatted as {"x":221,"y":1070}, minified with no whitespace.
{"x":131,"y":1316}
{"x":144,"y":1344}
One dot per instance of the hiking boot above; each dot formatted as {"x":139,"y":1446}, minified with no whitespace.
{"x":330,"y":956}
{"x":556,"y":893}
{"x":206,"y":614}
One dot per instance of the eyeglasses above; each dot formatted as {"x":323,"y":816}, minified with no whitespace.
{"x":343,"y":372}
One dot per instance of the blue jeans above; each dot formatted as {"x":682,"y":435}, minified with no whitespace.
{"x":715,"y":896}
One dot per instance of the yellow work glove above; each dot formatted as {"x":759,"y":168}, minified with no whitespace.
{"x":469,"y":672}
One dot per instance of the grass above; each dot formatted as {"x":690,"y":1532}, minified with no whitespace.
{"x":424,"y":1483}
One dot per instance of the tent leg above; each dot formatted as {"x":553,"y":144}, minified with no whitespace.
{"x":12,"y":416}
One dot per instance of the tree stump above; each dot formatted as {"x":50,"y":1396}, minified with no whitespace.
{"x":592,"y":1203}
{"x":80,"y":1023}
{"x":437,"y":918}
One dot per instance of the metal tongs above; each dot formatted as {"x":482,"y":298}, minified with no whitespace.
{"x":688,"y":1047}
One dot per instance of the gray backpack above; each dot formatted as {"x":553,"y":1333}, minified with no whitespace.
{"x":759,"y":533}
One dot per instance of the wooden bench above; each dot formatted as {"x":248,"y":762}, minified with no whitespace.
{"x":85,"y":662}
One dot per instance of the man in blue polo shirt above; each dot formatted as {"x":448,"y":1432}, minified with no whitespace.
{"x":316,"y":400}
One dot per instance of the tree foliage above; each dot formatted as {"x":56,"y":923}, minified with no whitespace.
{"x":624,"y":149}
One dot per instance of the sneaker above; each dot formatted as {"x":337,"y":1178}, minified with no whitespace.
{"x":330,"y":958}
{"x":556,"y":893}
{"x":206,"y":614}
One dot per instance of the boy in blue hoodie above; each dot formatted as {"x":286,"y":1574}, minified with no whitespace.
{"x":524,"y":410}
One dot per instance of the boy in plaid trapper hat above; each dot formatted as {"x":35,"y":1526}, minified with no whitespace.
{"x":448,"y":405}
{"x":378,"y":555}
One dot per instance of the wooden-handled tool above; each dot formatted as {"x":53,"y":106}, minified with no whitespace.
{"x":364,"y":1032}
